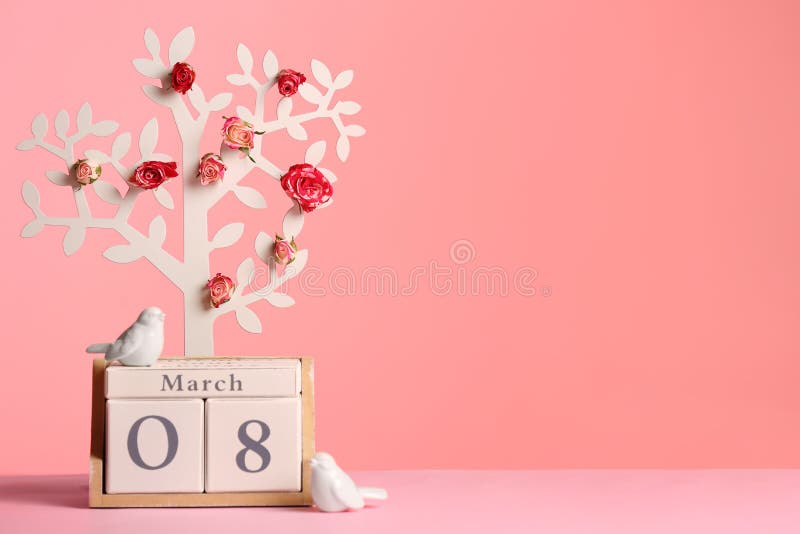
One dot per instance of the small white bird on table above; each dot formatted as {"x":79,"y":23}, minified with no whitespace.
{"x":333,"y":490}
{"x":140,"y":345}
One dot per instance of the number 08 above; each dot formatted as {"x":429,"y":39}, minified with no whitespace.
{"x":249,"y":443}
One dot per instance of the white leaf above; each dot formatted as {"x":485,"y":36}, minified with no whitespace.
{"x":327,"y":173}
{"x":26,"y":144}
{"x":32,"y":228}
{"x":228,"y":235}
{"x":293,"y":221}
{"x":197,"y":98}
{"x":315,"y":153}
{"x":279,"y":300}
{"x":121,"y":146}
{"x":243,"y":273}
{"x":151,"y":42}
{"x":121,"y":254}
{"x":181,"y":45}
{"x":62,"y":124}
{"x":104,"y":128}
{"x":39,"y":126}
{"x":163,"y":197}
{"x":149,"y":68}
{"x":284,"y":108}
{"x":162,"y":97}
{"x":264,"y":245}
{"x":299,"y":263}
{"x":158,"y":230}
{"x":343,"y":79}
{"x":245,"y":58}
{"x":250,"y":197}
{"x":348,"y":107}
{"x":343,"y":147}
{"x":321,"y":73}
{"x":107,"y":192}
{"x":248,"y":320}
{"x":310,"y":93}
{"x":237,"y":79}
{"x":84,"y":118}
{"x":60,"y":178}
{"x":354,"y":130}
{"x":296,"y":131}
{"x":244,"y":114}
{"x":97,"y":155}
{"x":30,"y":195}
{"x":270,"y":65}
{"x":148,"y":138}
{"x":220,"y":101}
{"x":73,"y":239}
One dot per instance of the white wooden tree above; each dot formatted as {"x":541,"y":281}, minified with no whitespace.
{"x":191,"y":114}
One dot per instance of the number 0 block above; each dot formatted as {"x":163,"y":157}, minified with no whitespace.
{"x":154,"y":446}
{"x":253,"y":445}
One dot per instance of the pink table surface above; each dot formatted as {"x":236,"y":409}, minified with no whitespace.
{"x":570,"y":501}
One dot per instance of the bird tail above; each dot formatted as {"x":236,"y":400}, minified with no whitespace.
{"x":373,"y":493}
{"x":100,"y":348}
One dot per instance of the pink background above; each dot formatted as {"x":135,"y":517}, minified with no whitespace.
{"x":641,"y":156}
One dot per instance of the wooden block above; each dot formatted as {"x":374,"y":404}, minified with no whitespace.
{"x":98,"y":498}
{"x":253,"y":445}
{"x":198,"y":379}
{"x":154,"y":446}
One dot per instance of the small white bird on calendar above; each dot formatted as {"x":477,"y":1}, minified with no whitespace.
{"x":333,"y":490}
{"x":140,"y":345}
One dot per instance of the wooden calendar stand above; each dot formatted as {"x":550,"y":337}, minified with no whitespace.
{"x":99,"y":499}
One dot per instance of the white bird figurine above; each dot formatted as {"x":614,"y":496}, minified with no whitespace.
{"x":140,"y":345}
{"x":333,"y":490}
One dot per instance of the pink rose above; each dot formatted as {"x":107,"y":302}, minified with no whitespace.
{"x":152,"y":174}
{"x":289,"y":80}
{"x":211,"y":169}
{"x":285,"y":250}
{"x":238,"y":134}
{"x":221,"y":289}
{"x":86,"y":171}
{"x":309,"y":187}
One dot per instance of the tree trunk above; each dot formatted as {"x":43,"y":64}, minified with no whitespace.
{"x":198,"y":321}
{"x":198,"y":330}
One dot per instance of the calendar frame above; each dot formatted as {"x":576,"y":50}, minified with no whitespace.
{"x":99,"y":499}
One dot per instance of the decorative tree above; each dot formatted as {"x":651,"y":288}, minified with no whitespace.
{"x":192,"y":272}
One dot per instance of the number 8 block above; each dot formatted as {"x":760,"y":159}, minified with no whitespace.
{"x":253,"y":445}
{"x":154,"y":446}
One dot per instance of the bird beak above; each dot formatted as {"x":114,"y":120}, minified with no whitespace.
{"x":163,"y":316}
{"x":313,"y":462}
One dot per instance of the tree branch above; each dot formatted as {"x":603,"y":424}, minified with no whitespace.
{"x":256,"y":294}
{"x":161,"y":259}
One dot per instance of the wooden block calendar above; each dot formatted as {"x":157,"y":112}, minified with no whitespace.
{"x":202,"y":432}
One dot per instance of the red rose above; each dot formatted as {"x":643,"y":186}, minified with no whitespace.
{"x":182,"y":77}
{"x":220,"y":289}
{"x":151,"y":174}
{"x":309,"y":187}
{"x":289,"y":80}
